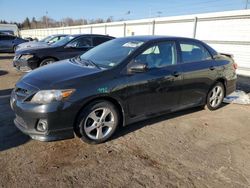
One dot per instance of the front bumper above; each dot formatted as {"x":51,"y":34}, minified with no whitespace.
{"x":25,"y":65}
{"x":59,"y":116}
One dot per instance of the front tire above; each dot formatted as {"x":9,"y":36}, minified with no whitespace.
{"x":98,"y":122}
{"x":215,"y":96}
{"x":47,"y":61}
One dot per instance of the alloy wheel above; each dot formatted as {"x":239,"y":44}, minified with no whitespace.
{"x":216,"y":96}
{"x":99,"y":123}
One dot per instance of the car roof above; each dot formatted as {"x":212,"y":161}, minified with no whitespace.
{"x":151,"y":38}
{"x":56,"y":35}
{"x":146,"y":38}
{"x":78,"y":35}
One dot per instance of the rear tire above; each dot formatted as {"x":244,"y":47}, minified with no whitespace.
{"x":97,"y":122}
{"x":215,"y":96}
{"x":47,"y":61}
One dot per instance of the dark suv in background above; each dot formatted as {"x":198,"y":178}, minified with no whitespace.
{"x":71,"y":46}
{"x":8,"y":43}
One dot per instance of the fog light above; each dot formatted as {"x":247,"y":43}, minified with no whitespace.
{"x":42,"y":125}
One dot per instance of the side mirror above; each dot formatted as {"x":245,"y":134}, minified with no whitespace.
{"x":137,"y":67}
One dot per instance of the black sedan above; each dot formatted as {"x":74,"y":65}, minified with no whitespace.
{"x":8,"y":43}
{"x":70,"y":46}
{"x":120,"y":82}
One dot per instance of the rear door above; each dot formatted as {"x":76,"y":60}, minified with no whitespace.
{"x":158,"y":88}
{"x":199,"y":72}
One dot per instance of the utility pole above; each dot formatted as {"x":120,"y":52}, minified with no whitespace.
{"x":47,"y":19}
{"x":159,"y":13}
{"x":246,"y":7}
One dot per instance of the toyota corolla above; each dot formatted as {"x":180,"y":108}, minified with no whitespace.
{"x":122,"y":81}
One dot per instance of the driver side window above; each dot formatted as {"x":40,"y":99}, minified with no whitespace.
{"x":160,"y":55}
{"x":82,"y":42}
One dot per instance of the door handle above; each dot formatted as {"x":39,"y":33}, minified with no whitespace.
{"x":211,"y":67}
{"x":176,"y":74}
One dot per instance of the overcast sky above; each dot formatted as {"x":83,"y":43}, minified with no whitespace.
{"x":17,"y":10}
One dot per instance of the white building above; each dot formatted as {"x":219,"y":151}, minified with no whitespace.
{"x":227,"y":32}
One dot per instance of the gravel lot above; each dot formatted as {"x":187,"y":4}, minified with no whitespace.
{"x":192,"y":148}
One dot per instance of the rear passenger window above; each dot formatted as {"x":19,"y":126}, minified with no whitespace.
{"x":99,"y":40}
{"x":192,"y":52}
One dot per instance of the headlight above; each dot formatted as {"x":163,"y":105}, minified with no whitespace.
{"x":26,"y":56}
{"x":48,"y":96}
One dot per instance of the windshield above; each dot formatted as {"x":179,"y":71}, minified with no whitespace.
{"x":64,"y":41}
{"x":46,"y":39}
{"x":111,"y":53}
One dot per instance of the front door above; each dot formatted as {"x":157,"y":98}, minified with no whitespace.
{"x":76,"y":47}
{"x":158,"y":88}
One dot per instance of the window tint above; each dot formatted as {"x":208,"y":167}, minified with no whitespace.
{"x":53,"y":40}
{"x":64,"y":41}
{"x":160,"y":55}
{"x":61,"y":37}
{"x":192,"y":52}
{"x":82,"y":42}
{"x":112,"y":53}
{"x":99,"y":40}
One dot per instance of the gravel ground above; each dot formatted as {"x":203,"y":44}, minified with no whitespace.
{"x":191,"y":148}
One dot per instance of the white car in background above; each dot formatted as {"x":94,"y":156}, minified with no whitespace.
{"x":41,"y":43}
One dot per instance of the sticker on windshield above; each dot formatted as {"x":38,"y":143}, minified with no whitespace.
{"x":133,"y":44}
{"x":111,"y":64}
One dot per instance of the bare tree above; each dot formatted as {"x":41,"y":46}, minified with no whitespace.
{"x":46,"y":21}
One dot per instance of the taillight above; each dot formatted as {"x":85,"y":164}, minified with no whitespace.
{"x":235,"y":66}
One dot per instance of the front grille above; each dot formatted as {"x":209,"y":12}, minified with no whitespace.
{"x":22,"y":91}
{"x":23,"y":94}
{"x":23,"y":68}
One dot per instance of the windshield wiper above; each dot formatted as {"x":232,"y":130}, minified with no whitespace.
{"x":88,"y":62}
{"x":78,"y":58}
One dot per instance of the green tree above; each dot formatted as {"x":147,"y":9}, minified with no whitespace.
{"x":26,"y":23}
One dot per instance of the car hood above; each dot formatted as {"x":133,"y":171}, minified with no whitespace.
{"x":58,"y":75}
{"x":34,"y":50}
{"x":32,"y":44}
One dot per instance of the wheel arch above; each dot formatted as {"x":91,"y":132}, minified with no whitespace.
{"x":224,"y":82}
{"x":221,"y":80}
{"x":14,"y":48}
{"x":49,"y":57}
{"x":101,"y":98}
